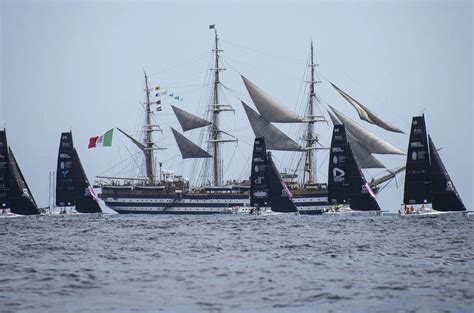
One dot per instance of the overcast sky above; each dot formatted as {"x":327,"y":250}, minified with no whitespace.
{"x":79,"y":65}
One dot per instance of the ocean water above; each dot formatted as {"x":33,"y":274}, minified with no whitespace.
{"x":236,"y":263}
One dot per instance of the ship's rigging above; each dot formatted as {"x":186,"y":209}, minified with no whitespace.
{"x":270,"y":111}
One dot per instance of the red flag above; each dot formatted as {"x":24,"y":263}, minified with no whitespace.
{"x":93,"y":142}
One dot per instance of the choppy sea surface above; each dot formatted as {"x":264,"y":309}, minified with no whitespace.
{"x":236,"y":263}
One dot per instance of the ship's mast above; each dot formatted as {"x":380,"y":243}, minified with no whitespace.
{"x":312,"y":139}
{"x":149,"y":157}
{"x":216,"y":108}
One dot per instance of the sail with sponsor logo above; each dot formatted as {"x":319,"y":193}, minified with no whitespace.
{"x":346,"y":182}
{"x":266,"y":185}
{"x":72,"y":185}
{"x":427,"y":181}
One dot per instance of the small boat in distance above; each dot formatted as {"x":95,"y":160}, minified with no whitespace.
{"x":15,"y":195}
{"x":73,"y":190}
{"x":428,"y":188}
{"x":267,"y":189}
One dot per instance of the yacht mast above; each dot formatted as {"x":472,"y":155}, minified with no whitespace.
{"x":312,"y":138}
{"x":149,"y":157}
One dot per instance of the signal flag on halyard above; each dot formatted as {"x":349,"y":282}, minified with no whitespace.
{"x":104,"y":140}
{"x":157,"y":87}
{"x":212,"y":26}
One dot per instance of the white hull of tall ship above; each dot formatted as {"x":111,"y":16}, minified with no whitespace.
{"x":175,"y":204}
{"x":199,"y":204}
{"x":311,"y":205}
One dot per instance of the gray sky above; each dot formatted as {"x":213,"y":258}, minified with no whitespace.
{"x":79,"y":65}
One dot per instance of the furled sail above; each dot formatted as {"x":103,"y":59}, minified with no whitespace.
{"x":417,"y":189}
{"x":268,"y":107}
{"x":367,"y":160}
{"x":72,"y":185}
{"x":189,"y":121}
{"x":445,"y":195}
{"x":367,"y":115}
{"x":275,"y":138}
{"x":188,"y":149}
{"x":370,"y":141}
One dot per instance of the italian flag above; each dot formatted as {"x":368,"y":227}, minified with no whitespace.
{"x":104,"y":140}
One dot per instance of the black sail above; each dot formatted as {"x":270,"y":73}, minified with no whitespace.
{"x":259,"y":183}
{"x":346,"y":183}
{"x":266,"y":187}
{"x":64,"y":171}
{"x":337,"y":172}
{"x":19,"y":196}
{"x":72,"y":186}
{"x":445,"y":195}
{"x":4,"y":171}
{"x":279,"y":197}
{"x":356,"y":188}
{"x":417,"y":188}
{"x":14,"y":191}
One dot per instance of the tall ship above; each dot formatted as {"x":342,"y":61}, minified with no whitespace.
{"x":15,"y":195}
{"x":172,"y":194}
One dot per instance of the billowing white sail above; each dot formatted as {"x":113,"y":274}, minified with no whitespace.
{"x":268,"y":107}
{"x":367,"y":115}
{"x":189,"y":121}
{"x":334,"y":119}
{"x":188,"y":149}
{"x":364,"y":158}
{"x":275,"y":139}
{"x":370,"y":141}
